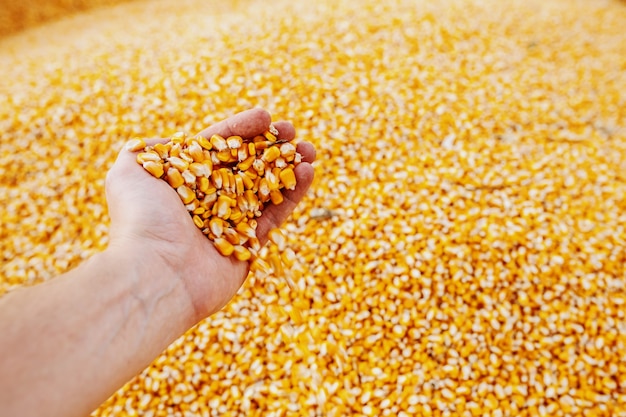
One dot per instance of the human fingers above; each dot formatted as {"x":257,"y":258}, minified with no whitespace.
{"x":286,"y":130}
{"x":307,"y":151}
{"x":246,"y":124}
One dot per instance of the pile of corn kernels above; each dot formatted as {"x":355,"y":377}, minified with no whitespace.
{"x":225,"y":184}
{"x":17,"y":15}
{"x":462,"y":250}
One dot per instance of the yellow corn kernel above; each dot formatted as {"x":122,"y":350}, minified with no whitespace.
{"x":251,"y":172}
{"x":234,"y":142}
{"x":270,"y":136}
{"x":232,"y":236}
{"x":242,"y":204}
{"x":277,"y":237}
{"x":288,"y":256}
{"x":235,"y":215}
{"x":246,"y":230}
{"x":225,"y":178}
{"x":175,"y":149}
{"x":174,"y":178}
{"x":270,"y":154}
{"x":257,"y":183}
{"x":197,"y":220}
{"x":260,"y":267}
{"x":272,"y":181}
{"x":186,"y":194}
{"x":241,"y":253}
{"x":189,"y":140}
{"x":219,"y":143}
{"x":209,"y":164}
{"x":189,"y":178}
{"x":178,"y":137}
{"x":264,"y":189}
{"x":208,"y":201}
{"x":247,"y":182}
{"x":280,"y":163}
{"x":199,"y":170}
{"x":154,"y":168}
{"x":135,"y":145}
{"x":193,"y":205}
{"x":272,"y":129}
{"x":255,"y":244}
{"x":294,"y":314}
{"x":211,"y":190}
{"x":276,"y":263}
{"x":276,"y":197}
{"x":196,"y":152}
{"x":213,"y":158}
{"x":216,"y":179}
{"x":205,"y":143}
{"x":226,"y":185}
{"x":178,"y":163}
{"x":259,"y":166}
{"x":225,"y":156}
{"x":262,"y":146}
{"x":287,"y":150}
{"x":232,"y":182}
{"x":247,"y":163}
{"x":203,"y":184}
{"x":184,"y":155}
{"x":223,"y":207}
{"x":149,"y":156}
{"x":239,"y":185}
{"x":223,"y":246}
{"x":216,"y":225}
{"x":288,"y":178}
{"x":242,"y":153}
{"x":163,"y":149}
{"x":252,"y":199}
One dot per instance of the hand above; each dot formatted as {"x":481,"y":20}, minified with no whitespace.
{"x":150,"y":223}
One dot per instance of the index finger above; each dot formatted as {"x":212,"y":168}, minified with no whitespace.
{"x":247,"y":124}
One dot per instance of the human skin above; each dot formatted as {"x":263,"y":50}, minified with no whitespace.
{"x":68,"y":344}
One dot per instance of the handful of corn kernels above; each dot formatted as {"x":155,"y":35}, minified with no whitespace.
{"x":225,"y":183}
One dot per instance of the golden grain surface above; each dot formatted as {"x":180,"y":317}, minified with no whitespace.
{"x":462,"y":250}
{"x":17,"y":15}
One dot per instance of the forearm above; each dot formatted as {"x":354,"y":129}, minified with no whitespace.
{"x":70,"y":343}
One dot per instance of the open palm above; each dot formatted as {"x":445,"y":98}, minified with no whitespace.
{"x":149,"y":221}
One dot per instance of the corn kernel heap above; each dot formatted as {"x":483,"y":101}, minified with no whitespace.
{"x":461,"y":250}
{"x":16,"y":15}
{"x":225,"y":183}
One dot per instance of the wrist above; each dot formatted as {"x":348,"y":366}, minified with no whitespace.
{"x":143,"y":276}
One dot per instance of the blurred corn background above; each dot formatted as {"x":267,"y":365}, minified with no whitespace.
{"x":462,"y":251}
{"x":17,"y":15}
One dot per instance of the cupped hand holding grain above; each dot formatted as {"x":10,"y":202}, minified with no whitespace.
{"x":72,"y":341}
{"x":149,"y":221}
